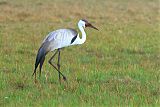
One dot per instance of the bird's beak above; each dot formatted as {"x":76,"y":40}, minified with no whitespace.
{"x":93,"y":27}
{"x":90,"y":25}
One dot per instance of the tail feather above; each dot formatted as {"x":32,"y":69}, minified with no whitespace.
{"x":41,"y":64}
{"x":40,"y":57}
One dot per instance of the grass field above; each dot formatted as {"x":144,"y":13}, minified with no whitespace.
{"x":117,"y":66}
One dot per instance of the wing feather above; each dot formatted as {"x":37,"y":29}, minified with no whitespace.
{"x":53,"y":35}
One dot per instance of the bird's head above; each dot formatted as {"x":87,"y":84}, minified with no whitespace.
{"x":84,"y":23}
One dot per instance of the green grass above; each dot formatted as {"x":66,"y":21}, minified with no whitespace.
{"x":117,"y":66}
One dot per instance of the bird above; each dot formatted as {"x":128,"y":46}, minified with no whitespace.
{"x":58,"y":39}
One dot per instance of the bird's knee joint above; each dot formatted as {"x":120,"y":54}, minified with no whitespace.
{"x":49,"y":61}
{"x":58,"y":65}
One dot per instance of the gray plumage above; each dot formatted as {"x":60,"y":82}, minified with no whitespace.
{"x":58,"y":39}
{"x":54,"y":40}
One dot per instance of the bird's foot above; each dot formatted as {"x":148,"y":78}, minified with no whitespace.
{"x":64,"y":78}
{"x":35,"y":81}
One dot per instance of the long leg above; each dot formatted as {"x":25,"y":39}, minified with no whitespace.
{"x":58,"y":65}
{"x":50,"y":62}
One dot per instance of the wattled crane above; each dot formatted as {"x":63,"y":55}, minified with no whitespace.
{"x":58,"y":39}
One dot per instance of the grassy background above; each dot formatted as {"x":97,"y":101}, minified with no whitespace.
{"x":117,"y":66}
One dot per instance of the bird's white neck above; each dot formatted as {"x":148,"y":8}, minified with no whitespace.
{"x":83,"y":39}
